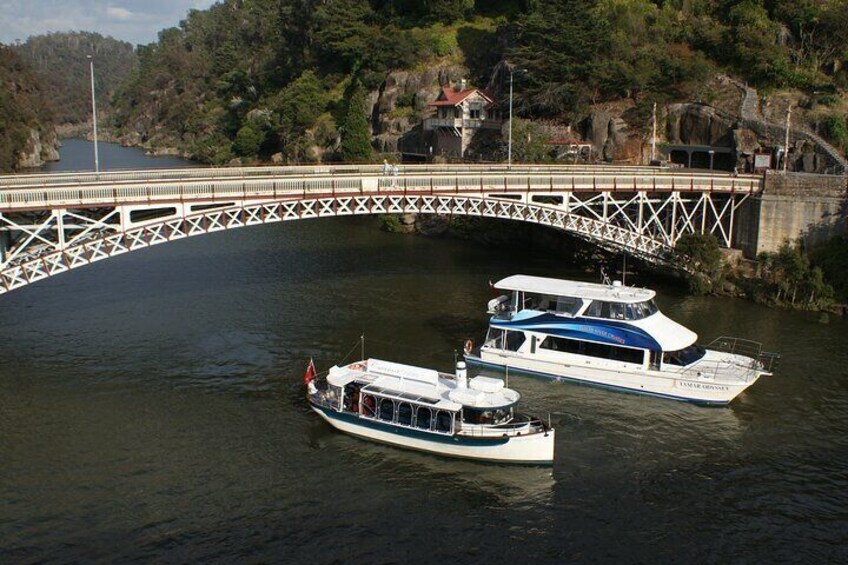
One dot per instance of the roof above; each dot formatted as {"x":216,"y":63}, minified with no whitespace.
{"x":577,"y":289}
{"x":451,"y":97}
{"x":669,"y":334}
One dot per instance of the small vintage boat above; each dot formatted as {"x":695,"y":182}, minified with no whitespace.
{"x":613,"y":336}
{"x":430,"y":411}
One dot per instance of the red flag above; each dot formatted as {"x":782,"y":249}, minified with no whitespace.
{"x":310,"y":372}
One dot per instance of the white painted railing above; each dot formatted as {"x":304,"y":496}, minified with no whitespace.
{"x":156,"y":187}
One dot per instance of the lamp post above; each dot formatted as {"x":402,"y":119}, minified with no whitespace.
{"x":786,"y":143}
{"x":509,"y":144}
{"x":712,"y":156}
{"x":94,"y":115}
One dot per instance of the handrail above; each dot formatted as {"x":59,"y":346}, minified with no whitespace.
{"x":43,"y":180}
{"x":303,"y":187}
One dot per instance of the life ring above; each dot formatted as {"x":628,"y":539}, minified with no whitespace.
{"x":468,"y":347}
{"x":357,"y":367}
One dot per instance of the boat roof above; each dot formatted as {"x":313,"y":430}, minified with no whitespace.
{"x":423,"y":386}
{"x":576,"y":289}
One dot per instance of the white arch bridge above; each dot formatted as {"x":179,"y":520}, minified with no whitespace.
{"x":50,"y":224}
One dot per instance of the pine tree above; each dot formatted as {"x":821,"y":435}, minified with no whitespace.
{"x":356,"y":138}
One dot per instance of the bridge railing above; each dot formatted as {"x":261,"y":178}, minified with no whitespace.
{"x":111,"y":178}
{"x":517,"y":185}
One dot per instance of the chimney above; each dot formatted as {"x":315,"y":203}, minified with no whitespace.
{"x":462,"y":85}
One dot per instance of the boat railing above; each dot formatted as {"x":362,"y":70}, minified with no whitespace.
{"x":764,"y":361}
{"x":514,"y":428}
{"x":322,"y":399}
{"x":723,"y":370}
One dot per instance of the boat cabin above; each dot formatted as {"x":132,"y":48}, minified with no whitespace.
{"x":613,"y":326}
{"x":423,"y":399}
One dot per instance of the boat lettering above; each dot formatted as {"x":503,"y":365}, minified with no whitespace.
{"x":702,"y":386}
{"x":607,"y":334}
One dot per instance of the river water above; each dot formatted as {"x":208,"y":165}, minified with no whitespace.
{"x":151,"y":407}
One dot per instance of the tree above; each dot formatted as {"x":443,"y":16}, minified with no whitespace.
{"x":248,"y":140}
{"x":563,"y":45}
{"x":356,"y":138}
{"x":701,"y":255}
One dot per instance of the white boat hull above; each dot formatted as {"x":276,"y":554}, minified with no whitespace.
{"x":536,"y":448}
{"x":654,"y":383}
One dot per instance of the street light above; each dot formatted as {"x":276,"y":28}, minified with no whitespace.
{"x":94,"y":115}
{"x":509,"y":145}
{"x":712,"y":156}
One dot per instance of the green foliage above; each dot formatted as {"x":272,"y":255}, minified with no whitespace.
{"x":530,"y":143}
{"x":60,"y":61}
{"x":356,"y":139}
{"x":701,"y":254}
{"x":788,"y":278}
{"x":248,"y":140}
{"x":836,"y":129}
{"x":202,"y":79}
{"x":444,"y":40}
{"x":563,"y":46}
{"x":832,"y":258}
{"x":23,"y":107}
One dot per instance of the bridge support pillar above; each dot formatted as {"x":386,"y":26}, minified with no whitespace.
{"x":5,"y":245}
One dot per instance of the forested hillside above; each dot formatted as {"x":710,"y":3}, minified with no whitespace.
{"x":300,"y":78}
{"x":27,"y":137}
{"x":60,"y":60}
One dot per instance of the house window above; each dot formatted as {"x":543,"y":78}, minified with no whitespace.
{"x":476,"y":111}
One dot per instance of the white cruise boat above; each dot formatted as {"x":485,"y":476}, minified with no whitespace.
{"x":612,"y":336}
{"x":430,"y":411}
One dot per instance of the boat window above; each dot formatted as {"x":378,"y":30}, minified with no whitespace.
{"x":494,"y":338}
{"x":443,"y":421}
{"x":650,"y":307}
{"x":404,"y":414}
{"x":616,"y":310}
{"x":620,"y":310}
{"x":568,"y":305}
{"x":561,"y":344}
{"x":423,"y":418}
{"x":369,"y":406}
{"x":592,"y":349}
{"x":685,"y":356}
{"x":502,"y":415}
{"x":387,"y":410}
{"x":514,"y":340}
{"x":534,"y":301}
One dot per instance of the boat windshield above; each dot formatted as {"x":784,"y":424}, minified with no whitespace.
{"x":567,"y":305}
{"x":487,"y":415}
{"x":685,"y":356}
{"x":621,"y":310}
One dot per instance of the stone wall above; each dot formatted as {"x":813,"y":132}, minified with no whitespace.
{"x":794,"y":206}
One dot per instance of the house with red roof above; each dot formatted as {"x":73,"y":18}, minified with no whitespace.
{"x":458,"y":114}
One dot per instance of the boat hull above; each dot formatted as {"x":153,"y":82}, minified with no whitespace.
{"x":532,"y":449}
{"x":704,"y":392}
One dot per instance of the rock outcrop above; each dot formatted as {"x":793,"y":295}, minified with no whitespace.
{"x":40,"y":147}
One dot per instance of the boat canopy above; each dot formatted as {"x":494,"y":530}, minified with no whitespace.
{"x":670,"y":335}
{"x":341,"y":376}
{"x":431,"y":397}
{"x":576,"y":289}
